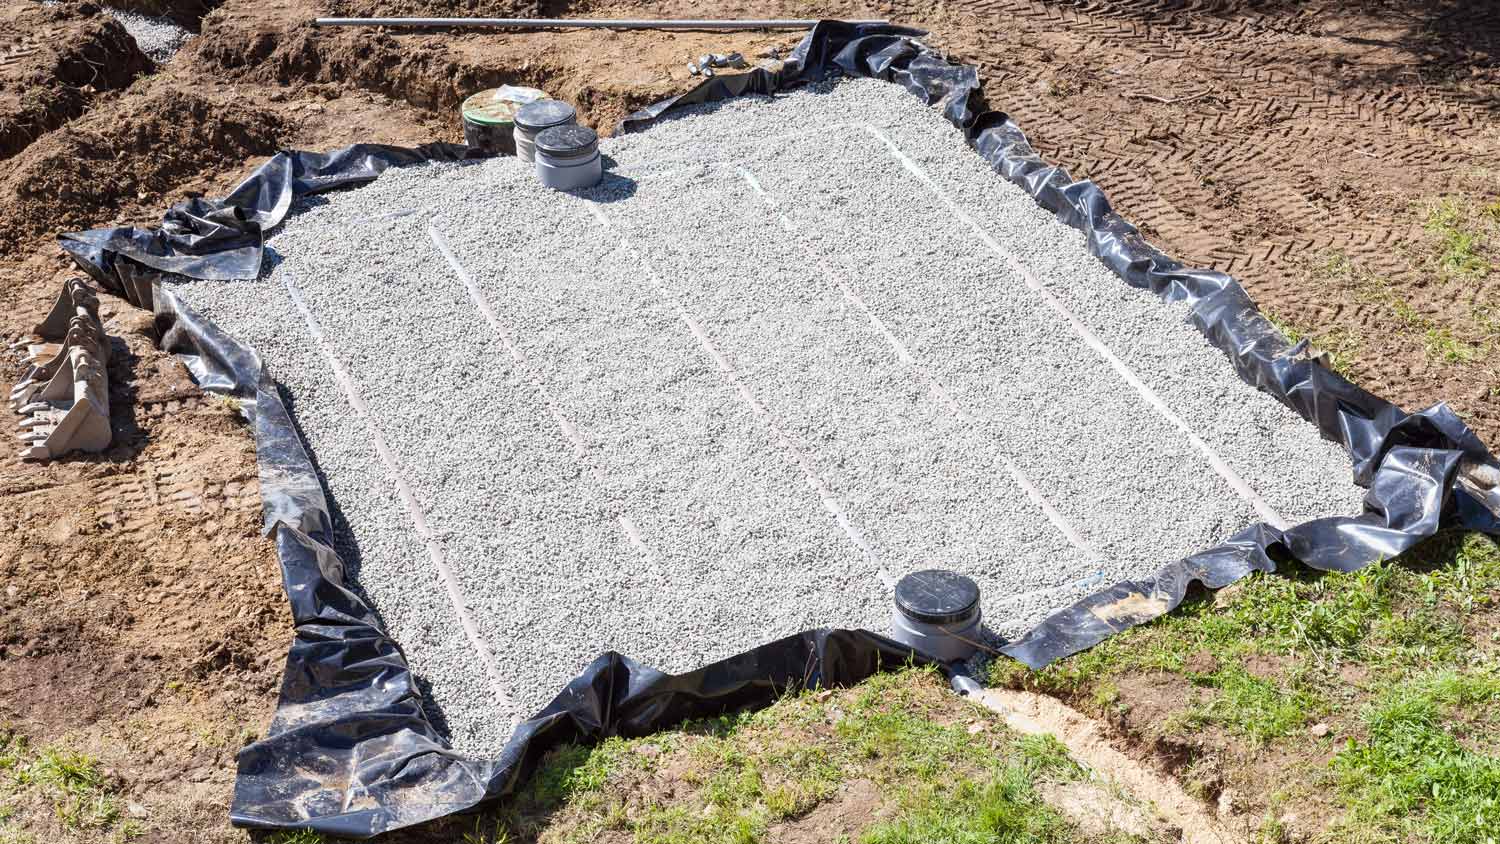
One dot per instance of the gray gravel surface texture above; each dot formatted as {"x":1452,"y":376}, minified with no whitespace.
{"x":761,"y":370}
{"x":158,"y":37}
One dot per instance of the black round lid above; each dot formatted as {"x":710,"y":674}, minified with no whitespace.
{"x":936,"y":596}
{"x":566,"y":141}
{"x":544,"y":113}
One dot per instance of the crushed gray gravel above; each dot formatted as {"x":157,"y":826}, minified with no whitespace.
{"x":734,"y":390}
{"x":158,"y":37}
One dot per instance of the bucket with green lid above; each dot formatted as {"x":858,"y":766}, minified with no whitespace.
{"x":490,"y":117}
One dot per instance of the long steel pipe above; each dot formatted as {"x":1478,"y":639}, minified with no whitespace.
{"x":578,"y":23}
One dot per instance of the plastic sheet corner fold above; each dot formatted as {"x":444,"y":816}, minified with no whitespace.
{"x":350,"y":750}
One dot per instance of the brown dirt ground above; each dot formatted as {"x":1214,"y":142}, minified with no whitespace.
{"x":141,"y":618}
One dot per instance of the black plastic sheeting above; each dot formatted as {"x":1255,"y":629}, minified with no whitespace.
{"x":350,"y":751}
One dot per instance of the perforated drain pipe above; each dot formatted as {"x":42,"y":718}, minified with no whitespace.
{"x":581,"y":23}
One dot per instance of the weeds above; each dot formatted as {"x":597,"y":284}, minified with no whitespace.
{"x":1458,"y":243}
{"x":1413,"y":778}
{"x":296,"y":836}
{"x":1443,"y":343}
{"x":737,"y":777}
{"x":1341,"y":345}
{"x":72,"y":784}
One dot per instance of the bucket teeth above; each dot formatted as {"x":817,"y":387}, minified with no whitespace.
{"x":63,"y":398}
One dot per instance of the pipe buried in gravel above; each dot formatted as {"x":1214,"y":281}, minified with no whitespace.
{"x":554,"y":407}
{"x":944,"y":396}
{"x":771,"y":443}
{"x":414,"y":509}
{"x":1224,"y":470}
{"x":830,"y":501}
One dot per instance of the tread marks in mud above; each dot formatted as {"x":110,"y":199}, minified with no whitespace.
{"x":1254,"y":138}
{"x":1239,"y":49}
{"x":138,"y":504}
{"x":1255,"y":113}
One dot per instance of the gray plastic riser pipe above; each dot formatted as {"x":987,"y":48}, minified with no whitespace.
{"x":563,"y":23}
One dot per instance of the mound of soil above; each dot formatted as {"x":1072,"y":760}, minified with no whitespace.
{"x":59,"y":59}
{"x":447,"y":8}
{"x":74,"y":177}
{"x":606,"y":75}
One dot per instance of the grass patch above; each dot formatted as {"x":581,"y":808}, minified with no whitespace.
{"x":1341,"y":345}
{"x":943,"y":769}
{"x":71,"y":784}
{"x":295,"y":836}
{"x":1419,"y":706}
{"x":1459,"y":239}
{"x":1394,"y":614}
{"x":1460,"y":342}
{"x":1005,"y":808}
{"x":1412,"y":778}
{"x":1249,"y":706}
{"x":1442,"y":345}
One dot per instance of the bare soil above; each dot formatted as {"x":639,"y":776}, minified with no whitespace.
{"x":54,"y":64}
{"x":1298,"y":145}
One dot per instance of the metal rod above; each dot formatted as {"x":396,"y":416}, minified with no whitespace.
{"x":579,"y":23}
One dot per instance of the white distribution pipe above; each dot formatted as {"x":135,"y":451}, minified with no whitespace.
{"x":581,"y":23}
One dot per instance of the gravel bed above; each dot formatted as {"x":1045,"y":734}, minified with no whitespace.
{"x":601,"y":475}
{"x":158,"y":37}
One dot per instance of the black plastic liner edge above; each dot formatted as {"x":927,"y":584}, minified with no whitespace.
{"x":350,"y":751}
{"x":1424,"y":470}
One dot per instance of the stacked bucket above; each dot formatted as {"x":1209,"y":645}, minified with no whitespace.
{"x":541,"y":132}
{"x":63,"y":399}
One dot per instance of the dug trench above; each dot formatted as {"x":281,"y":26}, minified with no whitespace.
{"x":144,"y":624}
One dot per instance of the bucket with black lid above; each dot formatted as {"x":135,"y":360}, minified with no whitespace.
{"x":937,"y":614}
{"x":567,"y":157}
{"x":535,"y":118}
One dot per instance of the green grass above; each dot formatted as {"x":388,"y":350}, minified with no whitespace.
{"x":1459,"y":242}
{"x":1416,"y":769}
{"x":1003,"y":808}
{"x":737,"y":777}
{"x":1341,"y":345}
{"x":1251,"y":707}
{"x":295,"y":836}
{"x":1387,"y":614}
{"x":71,"y":783}
{"x":1457,"y":256}
{"x":1413,"y":777}
{"x":1442,"y":345}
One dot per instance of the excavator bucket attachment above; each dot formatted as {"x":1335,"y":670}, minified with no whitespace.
{"x":63,"y":398}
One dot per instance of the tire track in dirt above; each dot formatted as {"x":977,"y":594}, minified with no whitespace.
{"x":1243,"y":137}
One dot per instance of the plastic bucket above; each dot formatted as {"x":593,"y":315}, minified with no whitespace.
{"x":489,"y":117}
{"x":937,"y":614}
{"x":535,"y":118}
{"x":567,"y":157}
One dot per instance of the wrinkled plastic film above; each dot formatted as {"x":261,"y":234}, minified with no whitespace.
{"x":350,"y":750}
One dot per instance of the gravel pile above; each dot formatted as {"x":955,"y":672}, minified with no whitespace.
{"x":733,"y":391}
{"x":158,"y":37}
